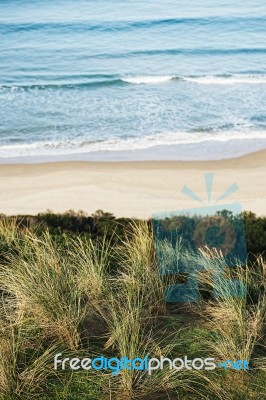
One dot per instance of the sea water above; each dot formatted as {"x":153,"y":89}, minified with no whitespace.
{"x":131,"y":79}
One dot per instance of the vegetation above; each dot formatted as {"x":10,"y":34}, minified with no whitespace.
{"x":102,"y":224}
{"x":83,"y":285}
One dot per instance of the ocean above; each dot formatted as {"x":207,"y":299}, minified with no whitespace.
{"x":131,"y":79}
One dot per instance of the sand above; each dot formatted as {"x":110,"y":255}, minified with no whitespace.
{"x":129,"y":189}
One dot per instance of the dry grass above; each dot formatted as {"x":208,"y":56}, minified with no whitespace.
{"x":52,"y":295}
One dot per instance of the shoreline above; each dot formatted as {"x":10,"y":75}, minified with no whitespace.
{"x":129,"y":188}
{"x":209,"y":150}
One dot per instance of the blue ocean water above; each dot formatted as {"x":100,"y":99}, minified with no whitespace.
{"x":132,"y":79}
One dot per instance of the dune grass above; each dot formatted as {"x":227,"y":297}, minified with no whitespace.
{"x":66,"y":298}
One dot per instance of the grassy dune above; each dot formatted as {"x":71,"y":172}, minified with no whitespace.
{"x":102,"y":294}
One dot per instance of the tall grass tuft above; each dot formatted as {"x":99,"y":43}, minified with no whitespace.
{"x":134,"y":311}
{"x":25,"y":362}
{"x":55,"y":296}
{"x":236,"y":315}
{"x":54,"y":286}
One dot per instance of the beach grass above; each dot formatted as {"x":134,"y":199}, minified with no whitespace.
{"x":78,"y":295}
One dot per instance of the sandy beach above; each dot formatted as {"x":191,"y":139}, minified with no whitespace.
{"x":129,"y":189}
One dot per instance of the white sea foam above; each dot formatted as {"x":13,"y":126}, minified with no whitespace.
{"x":67,"y":147}
{"x":147,"y":79}
{"x":204,"y":80}
{"x":227,"y":80}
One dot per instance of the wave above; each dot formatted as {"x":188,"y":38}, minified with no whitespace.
{"x":124,"y":25}
{"x":184,"y":51}
{"x":227,"y":80}
{"x":98,"y":81}
{"x":59,"y":85}
{"x":148,"y":79}
{"x":204,"y":51}
{"x":205,"y":80}
{"x":67,"y":147}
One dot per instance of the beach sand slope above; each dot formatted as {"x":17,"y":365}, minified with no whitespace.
{"x":129,"y":189}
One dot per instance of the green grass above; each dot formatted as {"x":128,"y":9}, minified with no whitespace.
{"x":104,"y":295}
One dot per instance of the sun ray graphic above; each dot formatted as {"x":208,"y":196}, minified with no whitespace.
{"x":209,"y":178}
